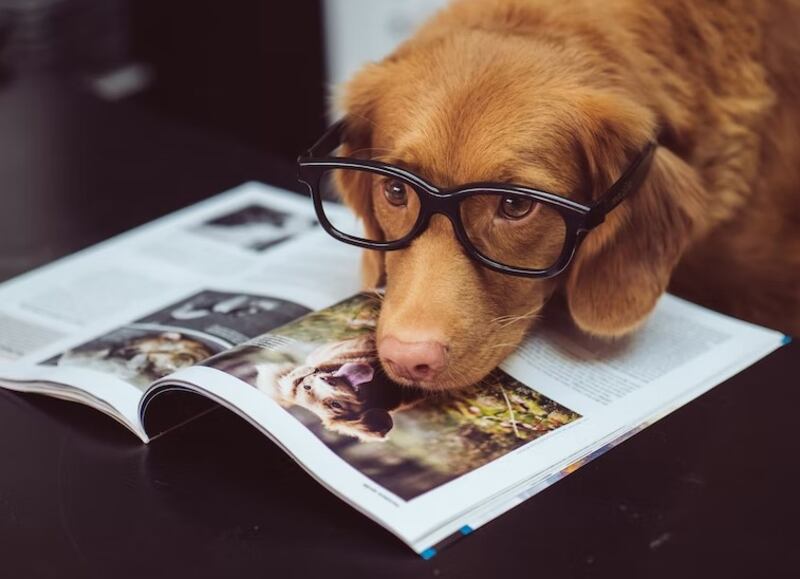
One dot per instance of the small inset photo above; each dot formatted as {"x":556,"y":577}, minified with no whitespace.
{"x":139,"y":356}
{"x":180,"y":335}
{"x":254,"y":227}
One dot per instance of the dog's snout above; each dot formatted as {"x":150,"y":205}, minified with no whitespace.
{"x":415,"y":361}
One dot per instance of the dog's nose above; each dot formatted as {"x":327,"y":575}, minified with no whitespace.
{"x":413,"y":360}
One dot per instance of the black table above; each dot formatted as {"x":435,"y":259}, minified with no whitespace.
{"x":708,"y":491}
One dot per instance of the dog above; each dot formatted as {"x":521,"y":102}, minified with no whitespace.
{"x":342,"y":384}
{"x":560,"y":96}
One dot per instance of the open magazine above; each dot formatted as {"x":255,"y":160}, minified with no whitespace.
{"x":244,"y":300}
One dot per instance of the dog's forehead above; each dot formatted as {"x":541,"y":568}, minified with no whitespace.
{"x":472,"y":107}
{"x":457,"y":139}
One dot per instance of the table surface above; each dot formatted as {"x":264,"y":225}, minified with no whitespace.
{"x":709,"y":490}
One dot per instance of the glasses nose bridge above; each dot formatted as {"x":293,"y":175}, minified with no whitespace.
{"x":438,"y":203}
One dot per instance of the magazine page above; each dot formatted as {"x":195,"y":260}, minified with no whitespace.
{"x":101,"y":325}
{"x":665,"y":362}
{"x":428,"y":467}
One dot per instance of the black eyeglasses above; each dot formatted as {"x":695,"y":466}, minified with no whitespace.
{"x":508,"y":228}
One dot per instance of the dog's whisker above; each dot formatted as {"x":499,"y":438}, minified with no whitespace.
{"x":511,"y":321}
{"x":503,"y":345}
{"x":506,"y":321}
{"x":501,"y":319}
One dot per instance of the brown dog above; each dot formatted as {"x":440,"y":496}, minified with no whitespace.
{"x":560,"y":95}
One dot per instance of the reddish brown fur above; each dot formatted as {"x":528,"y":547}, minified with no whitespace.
{"x":561,"y":95}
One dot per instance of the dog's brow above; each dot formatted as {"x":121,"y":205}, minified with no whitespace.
{"x":368,"y":153}
{"x":399,"y":161}
{"x":550,"y":182}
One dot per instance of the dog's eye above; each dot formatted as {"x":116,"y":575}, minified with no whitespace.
{"x":515,"y":207}
{"x":307,"y":386}
{"x":336,"y":405}
{"x":395,"y":192}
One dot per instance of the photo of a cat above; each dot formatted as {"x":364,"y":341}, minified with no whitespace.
{"x":324,"y":370}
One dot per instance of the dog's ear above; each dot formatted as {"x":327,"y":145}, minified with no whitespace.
{"x":359,"y":101}
{"x":625,"y":264}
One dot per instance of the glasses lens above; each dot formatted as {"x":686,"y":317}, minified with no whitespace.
{"x":382,"y":208}
{"x":514,"y":230}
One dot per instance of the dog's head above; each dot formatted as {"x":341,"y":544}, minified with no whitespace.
{"x":475,"y":105}
{"x":345,"y":397}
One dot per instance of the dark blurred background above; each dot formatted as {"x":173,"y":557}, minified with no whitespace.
{"x":255,"y":71}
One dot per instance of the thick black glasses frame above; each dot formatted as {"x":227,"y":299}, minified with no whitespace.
{"x":579,"y":219}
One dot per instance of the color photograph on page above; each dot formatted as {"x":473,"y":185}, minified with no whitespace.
{"x":324,"y":370}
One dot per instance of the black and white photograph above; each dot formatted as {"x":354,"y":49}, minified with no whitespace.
{"x":254,"y":227}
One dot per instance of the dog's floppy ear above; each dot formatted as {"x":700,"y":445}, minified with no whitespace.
{"x":360,"y":97}
{"x":625,"y":264}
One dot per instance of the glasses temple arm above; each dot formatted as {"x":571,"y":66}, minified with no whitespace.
{"x":329,"y":141}
{"x":628,"y":183}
